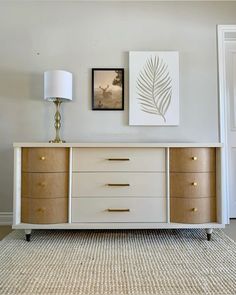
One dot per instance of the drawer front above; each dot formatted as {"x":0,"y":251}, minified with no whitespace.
{"x":192,"y":185}
{"x":110,"y":210}
{"x":118,"y":184}
{"x":45,"y":159}
{"x":192,"y":159}
{"x":45,"y":185}
{"x":119,"y":159}
{"x":44,"y":211}
{"x":187,"y":210}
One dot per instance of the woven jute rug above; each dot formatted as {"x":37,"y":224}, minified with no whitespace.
{"x":118,"y":262}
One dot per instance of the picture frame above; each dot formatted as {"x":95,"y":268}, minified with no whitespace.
{"x":108,"y":89}
{"x":153,"y":88}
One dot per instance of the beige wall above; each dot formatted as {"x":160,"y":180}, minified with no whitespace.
{"x":77,"y":36}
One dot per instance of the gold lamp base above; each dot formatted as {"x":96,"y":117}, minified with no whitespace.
{"x":57,"y":123}
{"x":57,"y":141}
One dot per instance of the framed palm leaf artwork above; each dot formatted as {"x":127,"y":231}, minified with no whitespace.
{"x":154,"y":88}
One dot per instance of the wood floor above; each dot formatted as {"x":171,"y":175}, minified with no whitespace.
{"x":230,"y":230}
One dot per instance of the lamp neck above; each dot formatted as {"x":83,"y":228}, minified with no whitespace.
{"x":57,"y":101}
{"x":57,"y":118}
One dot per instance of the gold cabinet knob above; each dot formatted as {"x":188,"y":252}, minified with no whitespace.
{"x":194,"y":209}
{"x":194,"y":183}
{"x":194,"y":158}
{"x":42,"y":184}
{"x":42,"y":158}
{"x":41,"y":210}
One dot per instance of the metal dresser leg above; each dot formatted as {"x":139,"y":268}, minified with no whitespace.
{"x":28,"y":234}
{"x":209,"y":232}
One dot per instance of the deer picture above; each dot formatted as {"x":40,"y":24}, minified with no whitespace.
{"x":105,"y":92}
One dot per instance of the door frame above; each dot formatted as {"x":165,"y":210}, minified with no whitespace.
{"x":222,"y":30}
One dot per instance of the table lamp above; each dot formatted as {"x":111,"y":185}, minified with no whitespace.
{"x":57,"y":88}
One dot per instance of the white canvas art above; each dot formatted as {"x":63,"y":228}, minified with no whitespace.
{"x":154,"y":88}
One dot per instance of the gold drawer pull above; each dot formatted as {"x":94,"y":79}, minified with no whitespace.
{"x":194,"y":209}
{"x":194,"y":183}
{"x":42,"y":184}
{"x":42,"y":158}
{"x":118,"y":159}
{"x":118,"y":184}
{"x":118,"y":210}
{"x":41,"y":210}
{"x":194,"y":158}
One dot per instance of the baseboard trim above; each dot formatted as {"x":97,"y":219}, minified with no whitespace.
{"x":6,"y":218}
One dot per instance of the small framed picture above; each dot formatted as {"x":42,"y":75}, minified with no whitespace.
{"x":108,"y":89}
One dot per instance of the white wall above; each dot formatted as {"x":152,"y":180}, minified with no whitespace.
{"x":77,"y":36}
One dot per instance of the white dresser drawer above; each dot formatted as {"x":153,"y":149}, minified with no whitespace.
{"x":118,"y":184}
{"x":110,"y":210}
{"x":119,"y":159}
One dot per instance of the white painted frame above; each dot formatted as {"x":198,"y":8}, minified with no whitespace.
{"x":70,"y":183}
{"x":167,"y":153}
{"x":232,"y":102}
{"x":221,"y":34}
{"x":17,"y":187}
{"x":17,"y":224}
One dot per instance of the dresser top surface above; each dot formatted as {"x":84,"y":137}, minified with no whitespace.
{"x":117,"y":144}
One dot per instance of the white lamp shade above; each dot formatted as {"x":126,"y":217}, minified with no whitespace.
{"x":57,"y":84}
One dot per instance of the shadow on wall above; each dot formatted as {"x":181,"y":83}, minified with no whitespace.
{"x":21,"y":85}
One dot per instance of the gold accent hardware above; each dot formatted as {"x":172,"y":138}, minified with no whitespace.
{"x":194,"y":183}
{"x":42,"y":158}
{"x":118,"y":159}
{"x":118,"y":184}
{"x":41,"y":210}
{"x":43,"y":184}
{"x":118,"y":210}
{"x":57,"y":123}
{"x":194,"y":209}
{"x":194,"y":158}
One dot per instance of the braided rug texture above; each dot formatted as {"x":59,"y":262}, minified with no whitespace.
{"x":118,"y":262}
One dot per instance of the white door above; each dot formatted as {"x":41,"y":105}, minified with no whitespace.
{"x":230,"y":69}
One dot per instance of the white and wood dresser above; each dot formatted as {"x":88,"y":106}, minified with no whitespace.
{"x":117,"y":186}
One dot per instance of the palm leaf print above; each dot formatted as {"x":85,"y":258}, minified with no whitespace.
{"x":154,"y":87}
